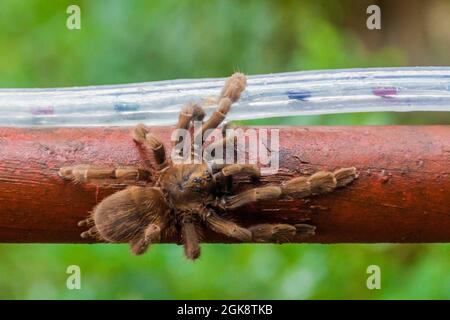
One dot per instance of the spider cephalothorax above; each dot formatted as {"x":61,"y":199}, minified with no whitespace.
{"x":180,"y":200}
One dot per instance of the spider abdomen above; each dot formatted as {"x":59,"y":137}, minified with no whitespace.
{"x":124,"y":215}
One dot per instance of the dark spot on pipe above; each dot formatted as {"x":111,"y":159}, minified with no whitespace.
{"x":301,"y":95}
{"x":126,"y":107}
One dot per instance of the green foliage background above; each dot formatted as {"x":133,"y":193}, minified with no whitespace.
{"x":136,"y":40}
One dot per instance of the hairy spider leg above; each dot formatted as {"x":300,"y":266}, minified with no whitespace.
{"x":191,"y":239}
{"x":230,"y":93}
{"x":280,"y":233}
{"x":143,"y":137}
{"x":301,"y":187}
{"x":189,"y":113}
{"x":152,"y":234}
{"x":228,"y":228}
{"x":85,"y":173}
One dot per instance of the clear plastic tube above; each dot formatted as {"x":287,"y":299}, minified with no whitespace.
{"x":270,"y":95}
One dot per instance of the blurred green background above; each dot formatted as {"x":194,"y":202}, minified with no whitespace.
{"x":137,"y":40}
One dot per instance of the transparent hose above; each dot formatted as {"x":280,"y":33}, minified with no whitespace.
{"x":270,"y":95}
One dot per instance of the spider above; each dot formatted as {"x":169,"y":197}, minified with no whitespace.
{"x":180,"y":200}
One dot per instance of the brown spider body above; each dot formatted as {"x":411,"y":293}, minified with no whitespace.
{"x":180,"y":200}
{"x":188,"y":187}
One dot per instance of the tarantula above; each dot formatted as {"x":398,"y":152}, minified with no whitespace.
{"x":179,"y":200}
